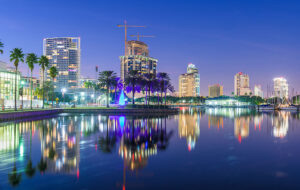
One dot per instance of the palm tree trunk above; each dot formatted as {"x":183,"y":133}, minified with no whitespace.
{"x":165,"y":97}
{"x":107,"y":100}
{"x":133,"y":91}
{"x":16,"y":89}
{"x":31,"y":91}
{"x":52,"y":95}
{"x":43,"y":89}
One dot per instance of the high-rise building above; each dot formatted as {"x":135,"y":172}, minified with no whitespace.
{"x":241,"y":84}
{"x":137,"y":58}
{"x":189,"y":83}
{"x":64,"y":54}
{"x":258,"y":91}
{"x":281,"y":87}
{"x":215,"y":90}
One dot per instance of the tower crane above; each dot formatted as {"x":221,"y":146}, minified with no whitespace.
{"x":126,"y":26}
{"x":138,"y":36}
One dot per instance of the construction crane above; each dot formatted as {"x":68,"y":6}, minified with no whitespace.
{"x":125,"y":27}
{"x":138,"y":36}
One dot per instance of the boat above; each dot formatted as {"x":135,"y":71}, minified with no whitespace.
{"x":266,"y":107}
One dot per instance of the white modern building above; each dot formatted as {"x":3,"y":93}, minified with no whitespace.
{"x":281,"y":87}
{"x":241,"y":84}
{"x":64,"y":54}
{"x":258,"y":91}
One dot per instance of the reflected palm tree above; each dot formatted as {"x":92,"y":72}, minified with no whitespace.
{"x":52,"y":153}
{"x":42,"y":165}
{"x":30,"y":171}
{"x":107,"y":143}
{"x":164,"y":137}
{"x":14,"y":177}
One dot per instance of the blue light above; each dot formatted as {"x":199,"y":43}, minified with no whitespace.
{"x":122,"y":98}
{"x":122,"y":121}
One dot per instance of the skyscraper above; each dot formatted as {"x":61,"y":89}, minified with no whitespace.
{"x":258,"y":91}
{"x":241,"y":84}
{"x":281,"y":87}
{"x":137,"y":58}
{"x":189,"y":83}
{"x":64,"y":54}
{"x":215,"y":90}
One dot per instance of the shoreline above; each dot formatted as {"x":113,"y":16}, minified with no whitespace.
{"x":9,"y":116}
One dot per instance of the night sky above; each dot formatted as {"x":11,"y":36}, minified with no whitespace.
{"x":258,"y":37}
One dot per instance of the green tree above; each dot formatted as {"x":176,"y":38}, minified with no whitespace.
{"x":132,"y":80}
{"x":44,"y":63}
{"x":31,"y":59}
{"x":1,"y":46}
{"x":53,"y":74}
{"x":17,"y":56}
{"x":106,"y":81}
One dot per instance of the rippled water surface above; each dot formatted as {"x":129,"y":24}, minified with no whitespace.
{"x":196,"y":149}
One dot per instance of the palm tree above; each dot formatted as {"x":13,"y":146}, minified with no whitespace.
{"x":164,"y":81}
{"x":149,"y":84}
{"x":117,"y":85}
{"x":31,"y":59}
{"x":53,"y":74}
{"x":1,"y":46}
{"x":17,"y":56}
{"x":44,"y":63}
{"x":106,"y":80}
{"x":132,"y":80}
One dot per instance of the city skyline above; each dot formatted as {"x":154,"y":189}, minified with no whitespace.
{"x":228,"y":48}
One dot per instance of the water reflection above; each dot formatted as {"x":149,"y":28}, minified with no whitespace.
{"x":189,"y":126}
{"x":54,"y":146}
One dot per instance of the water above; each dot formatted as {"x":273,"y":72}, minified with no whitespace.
{"x":196,"y":149}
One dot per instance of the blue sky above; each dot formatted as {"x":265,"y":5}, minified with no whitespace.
{"x":258,"y":37}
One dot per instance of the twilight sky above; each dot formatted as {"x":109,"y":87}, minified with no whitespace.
{"x":221,"y":37}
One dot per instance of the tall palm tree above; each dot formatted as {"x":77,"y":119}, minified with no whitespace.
{"x":17,"y":56}
{"x":132,"y":80}
{"x":1,"y":46}
{"x":117,"y":85}
{"x":53,"y":74}
{"x":44,"y":63}
{"x":106,"y":80}
{"x":149,"y":77}
{"x":164,"y":80}
{"x":31,"y":59}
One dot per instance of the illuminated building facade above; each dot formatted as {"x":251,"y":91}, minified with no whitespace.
{"x":7,"y":84}
{"x":137,"y":58}
{"x":281,"y":87}
{"x":64,"y":54}
{"x":258,"y":91}
{"x":25,"y":83}
{"x":215,"y":90}
{"x":241,"y":84}
{"x":189,"y":83}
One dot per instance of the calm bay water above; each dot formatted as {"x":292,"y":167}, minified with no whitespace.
{"x":198,"y":148}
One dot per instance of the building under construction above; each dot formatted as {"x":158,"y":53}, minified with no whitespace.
{"x":137,"y":58}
